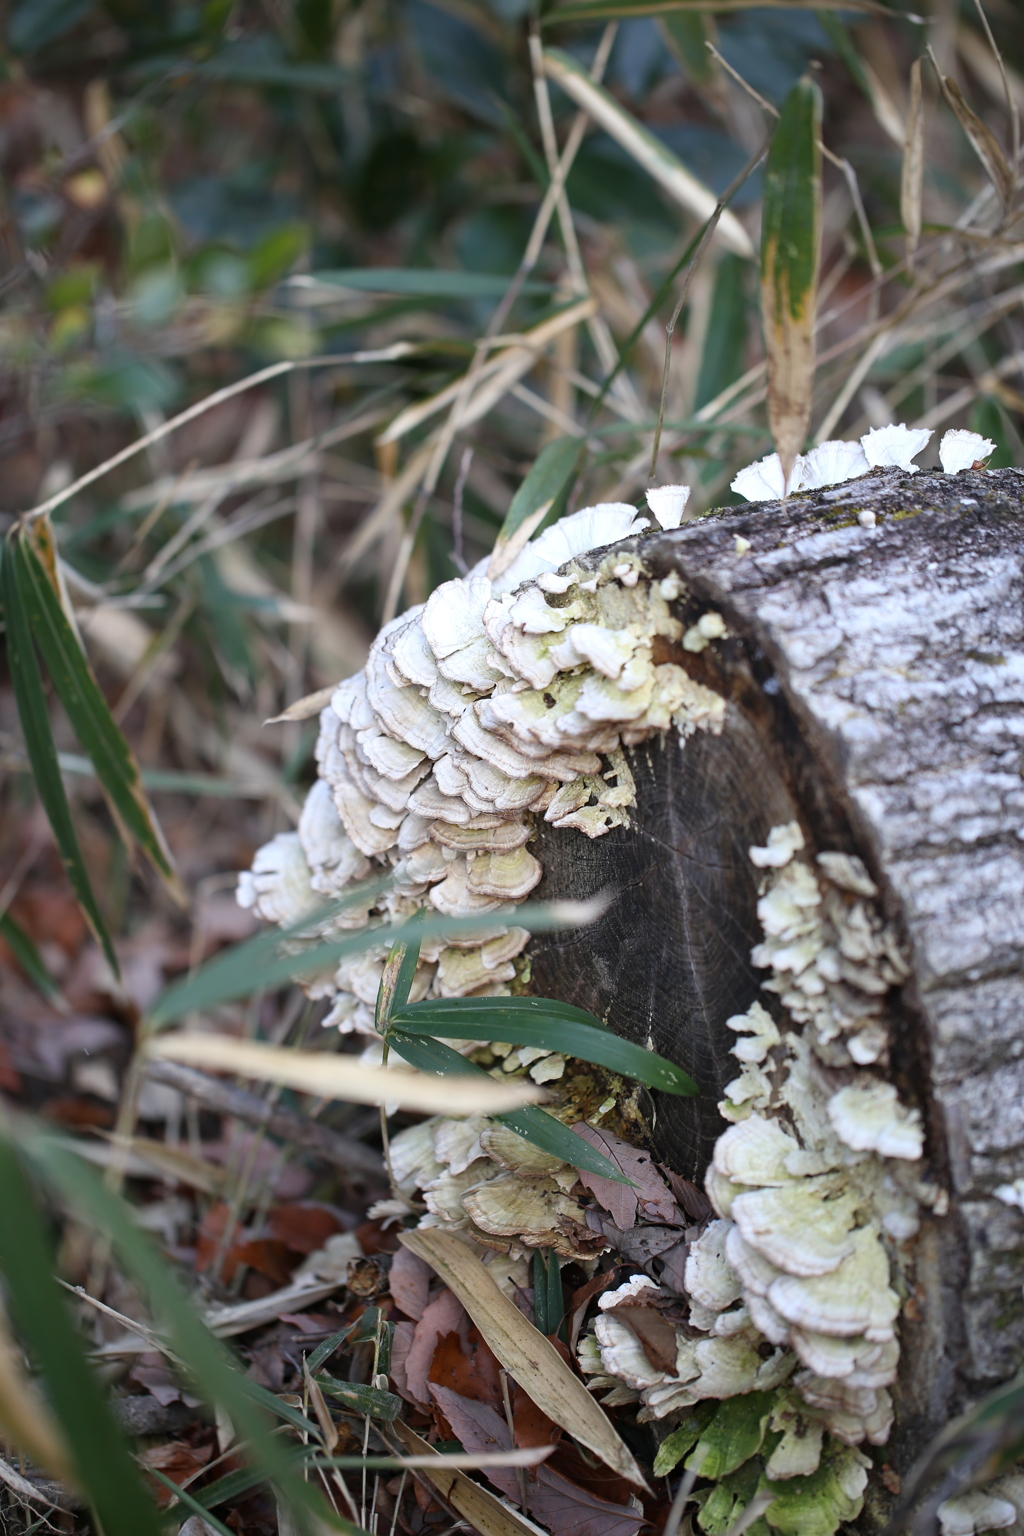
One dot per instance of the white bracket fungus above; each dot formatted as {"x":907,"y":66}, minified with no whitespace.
{"x":835,"y":462}
{"x":498,"y":702}
{"x":489,"y":705}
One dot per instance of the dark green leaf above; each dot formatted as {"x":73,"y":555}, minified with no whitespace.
{"x":323,"y":1352}
{"x":790,"y":252}
{"x":190,"y":1502}
{"x":544,"y":1131}
{"x":28,"y":957}
{"x":398,"y":974}
{"x":37,"y":22}
{"x":423,"y":282}
{"x":359,"y":1399}
{"x":215,"y":1371}
{"x":104,"y":1467}
{"x":550,"y":1025}
{"x":541,"y":1130}
{"x":550,"y":475}
{"x":261,"y":963}
{"x":30,"y":697}
{"x":548,"y":1301}
{"x":86,"y":707}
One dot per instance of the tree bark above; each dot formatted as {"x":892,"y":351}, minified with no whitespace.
{"x":875,"y":687}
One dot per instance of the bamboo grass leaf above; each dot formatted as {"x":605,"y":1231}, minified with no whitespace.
{"x":551,"y":473}
{"x":612,"y":10}
{"x":211,"y":1365}
{"x":983,"y":141}
{"x":790,"y":254}
{"x":85,"y":705}
{"x":102,"y":1465}
{"x":263,"y":962}
{"x":341,"y":1077}
{"x":541,"y":1022}
{"x":30,"y":697}
{"x":530,"y":1122}
{"x":912,"y":179}
{"x":28,"y":957}
{"x":647,"y":150}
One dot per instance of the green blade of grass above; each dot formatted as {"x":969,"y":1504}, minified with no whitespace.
{"x":550,"y":1025}
{"x":30,"y":697}
{"x":550,"y":475}
{"x":104,"y":1468}
{"x":28,"y":957}
{"x":531,"y":1123}
{"x":360,"y":1399}
{"x":85,"y":705}
{"x":421,"y":282}
{"x":259,"y":964}
{"x":790,"y":252}
{"x":214,"y":1370}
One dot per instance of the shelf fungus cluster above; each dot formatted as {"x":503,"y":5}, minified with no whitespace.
{"x":814,"y":1183}
{"x":502,"y":701}
{"x":494,"y":703}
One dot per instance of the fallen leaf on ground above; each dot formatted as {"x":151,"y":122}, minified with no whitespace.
{"x":305,"y":1228}
{"x":444,"y":1315}
{"x":464,"y":1363}
{"x":651,"y":1200}
{"x":409,"y":1283}
{"x":550,"y":1498}
{"x":524,"y":1352}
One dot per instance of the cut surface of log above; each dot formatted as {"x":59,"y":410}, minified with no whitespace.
{"x":875,"y":685}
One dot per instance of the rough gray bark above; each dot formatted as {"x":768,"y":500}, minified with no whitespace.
{"x":876,"y":688}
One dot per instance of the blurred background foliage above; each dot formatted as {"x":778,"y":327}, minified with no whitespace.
{"x":194,"y":191}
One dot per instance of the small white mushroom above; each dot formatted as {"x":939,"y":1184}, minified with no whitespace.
{"x":709,"y":1277}
{"x":894,"y":447}
{"x":964,"y":450}
{"x":803,"y":1228}
{"x":968,"y":1514}
{"x":763,"y":481}
{"x":457,"y":1142}
{"x":590,"y":528}
{"x":798,"y":1453}
{"x":871,"y":1119}
{"x":833,"y":463}
{"x":755,"y":1152}
{"x":453,"y":616}
{"x":668,"y":502}
{"x":783,"y":843}
{"x":848,"y":872}
{"x":534,"y":1212}
{"x":622,"y":1354}
{"x":510,"y":876}
{"x":279,"y":887}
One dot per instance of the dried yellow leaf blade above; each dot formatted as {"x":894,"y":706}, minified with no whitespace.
{"x":983,"y":141}
{"x":524,"y":1352}
{"x":484,"y":1512}
{"x":790,"y":254}
{"x":648,"y":151}
{"x":24,"y":1417}
{"x":305,"y":708}
{"x":912,"y":183}
{"x":342,"y":1077}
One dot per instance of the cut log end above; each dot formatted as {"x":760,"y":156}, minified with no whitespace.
{"x":874,"y":678}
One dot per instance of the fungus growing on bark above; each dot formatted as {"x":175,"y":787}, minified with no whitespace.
{"x":668,"y":502}
{"x":895,"y":447}
{"x":964,"y":450}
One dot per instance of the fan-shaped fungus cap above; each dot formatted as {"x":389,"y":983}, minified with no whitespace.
{"x":668,"y":502}
{"x":803,"y":1228}
{"x":334,"y":860}
{"x":590,"y":528}
{"x":709,"y":1277}
{"x":755,"y":1152}
{"x":278,"y":886}
{"x":783,"y":842}
{"x":853,"y":1299}
{"x":534,"y":1212}
{"x":763,"y":481}
{"x":968,"y":1514}
{"x":964,"y":450}
{"x":872,"y":1119}
{"x":894,"y":447}
{"x":833,"y":463}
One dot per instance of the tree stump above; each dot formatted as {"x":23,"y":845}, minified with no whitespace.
{"x":875,"y":686}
